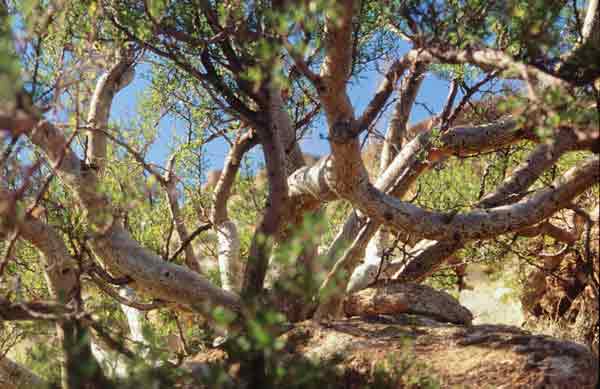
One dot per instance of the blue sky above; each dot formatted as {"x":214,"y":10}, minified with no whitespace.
{"x":433,"y":92}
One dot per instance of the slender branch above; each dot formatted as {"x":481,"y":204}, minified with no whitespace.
{"x":115,"y":295}
{"x":200,"y":229}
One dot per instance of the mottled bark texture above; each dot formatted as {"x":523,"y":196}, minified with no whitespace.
{"x":434,"y":225}
{"x":79,"y":368}
{"x":424,"y":260}
{"x":367,"y":271}
{"x":117,"y":78}
{"x":116,"y":249}
{"x":16,"y":376}
{"x":230,"y":265}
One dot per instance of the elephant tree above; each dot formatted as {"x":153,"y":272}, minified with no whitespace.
{"x":263,"y":74}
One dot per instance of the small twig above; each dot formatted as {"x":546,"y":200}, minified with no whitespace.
{"x":483,"y":180}
{"x":189,"y":239}
{"x":8,"y":250}
{"x":445,"y":123}
{"x":134,"y":304}
{"x":98,"y":271}
{"x":181,"y":336}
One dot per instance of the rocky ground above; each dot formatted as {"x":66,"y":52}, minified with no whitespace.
{"x":424,"y":338}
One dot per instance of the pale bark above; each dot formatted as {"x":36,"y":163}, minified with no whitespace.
{"x":333,"y":288}
{"x":134,"y":317}
{"x":117,"y":364}
{"x":477,"y":224}
{"x":337,"y":64}
{"x":393,"y":298}
{"x":397,"y":127}
{"x":16,"y":376}
{"x":230,"y":266}
{"x":366,"y":272}
{"x":590,"y":24}
{"x":117,"y":78}
{"x":473,"y":225}
{"x":346,"y":176}
{"x":425,"y":260}
{"x":122,"y":255}
{"x":318,"y":181}
{"x":489,"y":60}
{"x":118,"y":251}
{"x":400,"y":175}
{"x":298,"y":208}
{"x":543,"y":157}
{"x":78,"y":366}
{"x":331,"y":87}
{"x":386,"y":88}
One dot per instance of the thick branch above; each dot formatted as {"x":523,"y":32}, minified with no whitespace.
{"x":478,"y":224}
{"x":543,"y":157}
{"x":35,"y":310}
{"x":16,"y":376}
{"x":337,"y":63}
{"x":228,"y":240}
{"x":423,"y":260}
{"x":366,"y":272}
{"x":491,"y":60}
{"x":277,"y":200}
{"x":386,"y":88}
{"x":119,"y":252}
{"x":318,"y":181}
{"x":547,"y":228}
{"x":397,"y":127}
{"x":117,"y":78}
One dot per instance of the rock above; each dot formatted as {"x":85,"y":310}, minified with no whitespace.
{"x":411,"y":332}
{"x":481,"y":356}
{"x":394,"y":297}
{"x":417,"y":351}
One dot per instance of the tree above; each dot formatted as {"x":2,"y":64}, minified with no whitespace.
{"x":262,"y":74}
